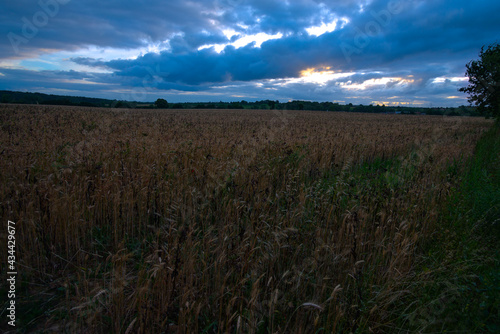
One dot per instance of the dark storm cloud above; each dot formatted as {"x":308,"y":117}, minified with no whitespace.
{"x":56,"y":79}
{"x":72,"y":24}
{"x":377,"y":38}
{"x":425,"y":39}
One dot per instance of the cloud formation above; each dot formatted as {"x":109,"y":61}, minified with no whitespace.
{"x":392,"y":50}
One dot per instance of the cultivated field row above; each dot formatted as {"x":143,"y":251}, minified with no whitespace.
{"x":221,"y":221}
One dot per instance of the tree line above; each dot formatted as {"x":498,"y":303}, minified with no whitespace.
{"x":319,"y":106}
{"x":46,"y":99}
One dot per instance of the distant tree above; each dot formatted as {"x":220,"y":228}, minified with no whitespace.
{"x":484,"y":80}
{"x":120,"y":104}
{"x":87,"y":104}
{"x":272,"y":104}
{"x":161,"y":103}
{"x":235,"y":105}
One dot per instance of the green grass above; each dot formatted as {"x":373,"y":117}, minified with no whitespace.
{"x":457,"y":288}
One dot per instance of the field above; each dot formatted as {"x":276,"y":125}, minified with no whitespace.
{"x":222,"y":221}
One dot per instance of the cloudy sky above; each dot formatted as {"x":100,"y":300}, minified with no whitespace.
{"x":348,"y":51}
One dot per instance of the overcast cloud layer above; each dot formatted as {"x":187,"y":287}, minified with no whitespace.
{"x":397,"y":52}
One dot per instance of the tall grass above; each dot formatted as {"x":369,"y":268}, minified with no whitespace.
{"x":220,"y":221}
{"x":457,"y":285}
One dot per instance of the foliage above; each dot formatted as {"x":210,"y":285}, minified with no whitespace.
{"x":161,"y":103}
{"x":484,"y":80}
{"x":37,"y":98}
{"x":458,"y":285}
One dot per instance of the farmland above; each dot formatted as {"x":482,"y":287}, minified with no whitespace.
{"x":223,"y":220}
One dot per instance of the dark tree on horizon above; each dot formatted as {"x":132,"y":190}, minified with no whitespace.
{"x":161,"y":103}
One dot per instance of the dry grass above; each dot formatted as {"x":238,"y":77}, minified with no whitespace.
{"x":221,"y":221}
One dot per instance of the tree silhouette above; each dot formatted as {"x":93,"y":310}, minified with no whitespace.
{"x":161,"y":103}
{"x":484,"y":81}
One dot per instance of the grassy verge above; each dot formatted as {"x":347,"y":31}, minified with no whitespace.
{"x":458,"y":287}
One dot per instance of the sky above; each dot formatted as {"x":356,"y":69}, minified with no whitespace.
{"x":400,"y":52}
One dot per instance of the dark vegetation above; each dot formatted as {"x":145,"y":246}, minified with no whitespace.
{"x":457,"y":286}
{"x":44,"y":99}
{"x":39,"y":98}
{"x":484,"y":80}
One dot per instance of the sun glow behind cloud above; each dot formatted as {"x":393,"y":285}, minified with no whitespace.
{"x":319,"y":76}
{"x":452,"y":79}
{"x":377,"y":83}
{"x":322,"y":29}
{"x":400,"y":103}
{"x":258,"y":39}
{"x":61,"y":60}
{"x":327,"y":27}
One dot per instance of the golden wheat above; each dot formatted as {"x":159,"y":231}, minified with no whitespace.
{"x":221,"y":221}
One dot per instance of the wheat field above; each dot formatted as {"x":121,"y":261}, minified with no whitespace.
{"x":221,"y":221}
